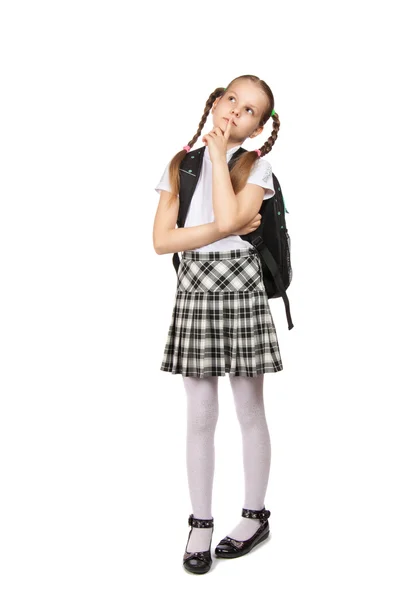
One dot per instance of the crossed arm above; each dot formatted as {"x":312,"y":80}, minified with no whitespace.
{"x":234,"y":215}
{"x":233,"y":211}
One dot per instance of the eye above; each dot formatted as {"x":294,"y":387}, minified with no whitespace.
{"x":248,"y":108}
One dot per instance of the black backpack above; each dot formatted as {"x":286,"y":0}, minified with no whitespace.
{"x":271,"y":239}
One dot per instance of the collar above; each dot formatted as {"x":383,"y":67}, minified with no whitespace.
{"x":229,"y":153}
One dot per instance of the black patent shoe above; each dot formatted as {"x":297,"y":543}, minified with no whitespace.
{"x":230,"y":548}
{"x":198,"y":562}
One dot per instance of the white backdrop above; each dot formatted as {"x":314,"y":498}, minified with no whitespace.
{"x":96,"y":98}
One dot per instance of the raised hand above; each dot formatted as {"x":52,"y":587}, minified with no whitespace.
{"x":217,"y":141}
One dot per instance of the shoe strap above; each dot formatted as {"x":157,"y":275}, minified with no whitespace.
{"x":200,"y":522}
{"x":262,"y":514}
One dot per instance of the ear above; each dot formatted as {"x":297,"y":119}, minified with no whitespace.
{"x":256,"y":132}
{"x":215,"y":103}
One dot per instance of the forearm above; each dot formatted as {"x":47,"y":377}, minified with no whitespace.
{"x":225,"y":204}
{"x":189,"y":238}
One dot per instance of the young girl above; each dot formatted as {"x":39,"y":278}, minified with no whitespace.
{"x":221,"y":321}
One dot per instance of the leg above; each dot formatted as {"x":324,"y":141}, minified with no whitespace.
{"x":249,"y":404}
{"x":202,"y":416}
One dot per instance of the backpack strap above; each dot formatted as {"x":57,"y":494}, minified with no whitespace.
{"x":189,"y":173}
{"x":273,"y":268}
{"x":176,"y":261}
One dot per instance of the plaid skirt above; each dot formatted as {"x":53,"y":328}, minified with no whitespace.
{"x":221,"y":321}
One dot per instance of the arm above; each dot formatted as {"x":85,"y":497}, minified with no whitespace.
{"x":167,"y":238}
{"x":233,"y":211}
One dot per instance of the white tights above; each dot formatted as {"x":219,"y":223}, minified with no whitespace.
{"x":202,"y":417}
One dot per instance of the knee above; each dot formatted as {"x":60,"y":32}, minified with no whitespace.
{"x":202,"y":404}
{"x":251,"y":417}
{"x":203,"y":421}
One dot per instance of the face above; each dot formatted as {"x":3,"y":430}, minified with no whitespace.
{"x":246,"y":103}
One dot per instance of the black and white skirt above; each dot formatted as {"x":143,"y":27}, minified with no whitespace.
{"x":221,"y":321}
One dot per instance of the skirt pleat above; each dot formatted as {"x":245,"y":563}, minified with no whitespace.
{"x":221,"y":320}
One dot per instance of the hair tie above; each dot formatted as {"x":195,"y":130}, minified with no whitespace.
{"x":273,"y":112}
{"x":187,"y":148}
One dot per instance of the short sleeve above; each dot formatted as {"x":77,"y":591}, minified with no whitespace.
{"x":164,"y":183}
{"x":261,"y":174}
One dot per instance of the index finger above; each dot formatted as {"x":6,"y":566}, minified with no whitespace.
{"x":228,"y":127}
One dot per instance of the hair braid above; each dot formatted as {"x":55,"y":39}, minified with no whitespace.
{"x":267,"y":146}
{"x":179,"y":156}
{"x":212,"y":97}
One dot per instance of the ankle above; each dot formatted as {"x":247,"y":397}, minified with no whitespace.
{"x":199,"y":539}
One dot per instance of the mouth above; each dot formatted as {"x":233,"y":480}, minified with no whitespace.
{"x":227,"y":120}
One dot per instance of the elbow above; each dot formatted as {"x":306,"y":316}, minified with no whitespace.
{"x":228,"y":224}
{"x":226,"y":228}
{"x":163,"y":242}
{"x":159,"y":247}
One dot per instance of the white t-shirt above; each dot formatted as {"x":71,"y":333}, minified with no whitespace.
{"x":201,"y":210}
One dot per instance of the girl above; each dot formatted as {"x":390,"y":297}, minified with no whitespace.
{"x":221,"y":321}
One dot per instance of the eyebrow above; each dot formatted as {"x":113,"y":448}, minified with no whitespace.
{"x":252,"y":105}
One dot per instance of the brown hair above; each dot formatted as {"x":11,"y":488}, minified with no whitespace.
{"x":241,"y":169}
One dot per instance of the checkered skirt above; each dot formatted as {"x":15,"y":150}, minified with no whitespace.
{"x":221,"y":321}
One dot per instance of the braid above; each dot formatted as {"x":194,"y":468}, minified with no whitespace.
{"x":267,"y":146}
{"x":213,"y":96}
{"x":244,"y":164}
{"x":179,"y":156}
